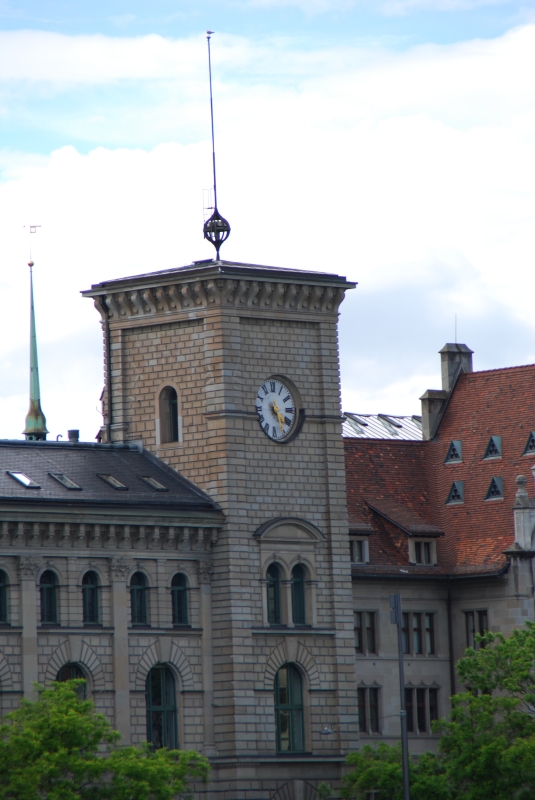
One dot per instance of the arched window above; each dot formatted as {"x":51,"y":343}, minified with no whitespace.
{"x":273,"y":595}
{"x":169,"y":430}
{"x":48,"y":588}
{"x":3,"y":596}
{"x":289,"y":710}
{"x":179,"y":594}
{"x":90,"y":598}
{"x":298,"y":595}
{"x":69,"y":672}
{"x":161,"y":708}
{"x":138,"y":597}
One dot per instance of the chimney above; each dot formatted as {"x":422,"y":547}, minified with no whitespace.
{"x":454,"y":357}
{"x":74,"y":436}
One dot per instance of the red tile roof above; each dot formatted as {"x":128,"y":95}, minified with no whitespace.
{"x":397,"y":486}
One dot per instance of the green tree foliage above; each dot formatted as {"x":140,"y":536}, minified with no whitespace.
{"x":487,"y":749}
{"x":59,"y":748}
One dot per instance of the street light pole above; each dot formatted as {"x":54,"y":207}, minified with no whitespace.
{"x":396,"y":618}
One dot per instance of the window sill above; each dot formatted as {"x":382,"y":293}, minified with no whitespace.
{"x":93,"y":625}
{"x":181,"y":626}
{"x":48,"y":625}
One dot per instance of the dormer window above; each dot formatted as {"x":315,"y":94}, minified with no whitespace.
{"x":530,"y":445}
{"x":455,"y":452}
{"x":494,"y":447}
{"x":359,"y":551}
{"x":111,"y":481}
{"x":23,"y":479}
{"x":423,"y":552}
{"x":495,"y":490}
{"x":456,"y":494}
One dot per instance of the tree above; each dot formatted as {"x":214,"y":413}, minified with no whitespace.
{"x":487,"y":749}
{"x":60,"y":748}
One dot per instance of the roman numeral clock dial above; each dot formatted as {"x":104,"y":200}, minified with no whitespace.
{"x":276,"y":409}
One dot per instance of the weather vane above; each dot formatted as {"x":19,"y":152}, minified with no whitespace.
{"x":216,"y":228}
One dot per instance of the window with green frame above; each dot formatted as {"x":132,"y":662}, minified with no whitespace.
{"x":298,"y":595}
{"x":48,"y":587}
{"x":179,"y":594}
{"x":273,"y":595}
{"x":289,"y":710}
{"x":161,"y":708}
{"x":90,"y":598}
{"x":138,"y":598}
{"x":3,"y":596}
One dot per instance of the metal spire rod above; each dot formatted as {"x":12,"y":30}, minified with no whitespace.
{"x":35,"y":428}
{"x":208,"y":37}
{"x":216,"y":229}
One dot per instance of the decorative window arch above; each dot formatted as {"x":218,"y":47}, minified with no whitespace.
{"x":162,"y":728}
{"x":90,"y":598}
{"x":289,"y":710}
{"x":48,"y":589}
{"x":3,"y":596}
{"x":138,"y":598}
{"x":69,"y":672}
{"x":169,"y":418}
{"x":273,"y":594}
{"x":179,"y":597}
{"x":298,"y":595}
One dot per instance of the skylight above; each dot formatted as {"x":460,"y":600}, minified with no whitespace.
{"x":66,"y":482}
{"x":494,"y":447}
{"x":456,"y":494}
{"x":154,"y":483}
{"x":455,"y":452}
{"x":111,"y":481}
{"x":22,"y":478}
{"x":495,"y":490}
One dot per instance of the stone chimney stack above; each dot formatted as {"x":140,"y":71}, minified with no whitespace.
{"x":454,"y":357}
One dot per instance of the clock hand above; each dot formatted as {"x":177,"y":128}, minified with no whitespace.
{"x":278,"y":414}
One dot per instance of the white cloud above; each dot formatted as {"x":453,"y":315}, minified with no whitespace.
{"x":398,"y":7}
{"x":412,"y":173}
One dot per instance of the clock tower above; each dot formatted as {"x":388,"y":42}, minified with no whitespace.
{"x":229,"y":373}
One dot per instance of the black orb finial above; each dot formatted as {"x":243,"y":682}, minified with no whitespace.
{"x":216,"y":229}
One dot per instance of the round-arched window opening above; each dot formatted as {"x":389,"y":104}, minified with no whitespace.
{"x":138,"y":598}
{"x":90,"y":598}
{"x":273,"y":595}
{"x":179,"y":594}
{"x":70,"y":672}
{"x":169,"y":427}
{"x":48,"y":589}
{"x":289,"y":710}
{"x":3,"y":597}
{"x":161,"y":708}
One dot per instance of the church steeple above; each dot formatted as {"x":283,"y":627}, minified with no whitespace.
{"x":35,"y":430}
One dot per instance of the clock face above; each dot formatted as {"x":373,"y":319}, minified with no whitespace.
{"x":275,"y":406}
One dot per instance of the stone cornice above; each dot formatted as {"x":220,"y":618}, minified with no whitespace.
{"x":233,"y":287}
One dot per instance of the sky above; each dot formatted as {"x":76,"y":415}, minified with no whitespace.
{"x":390,"y":141}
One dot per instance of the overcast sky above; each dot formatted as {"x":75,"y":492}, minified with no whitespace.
{"x":391,"y":141}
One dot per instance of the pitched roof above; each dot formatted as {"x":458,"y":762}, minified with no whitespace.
{"x":382,"y":426}
{"x":83,"y":463}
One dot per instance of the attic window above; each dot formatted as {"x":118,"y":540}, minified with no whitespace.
{"x":494,"y":447}
{"x":152,"y":482}
{"x":66,"y":482}
{"x":530,"y":445}
{"x":495,"y":491}
{"x":111,"y":481}
{"x":456,"y":494}
{"x":455,"y":452}
{"x":22,"y":478}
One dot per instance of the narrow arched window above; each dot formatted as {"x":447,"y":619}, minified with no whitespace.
{"x":69,"y":672}
{"x":90,"y":598}
{"x":289,"y":710}
{"x":161,"y":708}
{"x":48,"y":588}
{"x":179,"y":595}
{"x":273,"y":595}
{"x":169,"y":428}
{"x":298,"y":595}
{"x":138,"y":597}
{"x":3,"y":596}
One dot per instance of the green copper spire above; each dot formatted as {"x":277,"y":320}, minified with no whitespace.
{"x":35,"y":430}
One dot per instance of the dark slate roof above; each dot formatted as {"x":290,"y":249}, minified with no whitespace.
{"x":82,"y":463}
